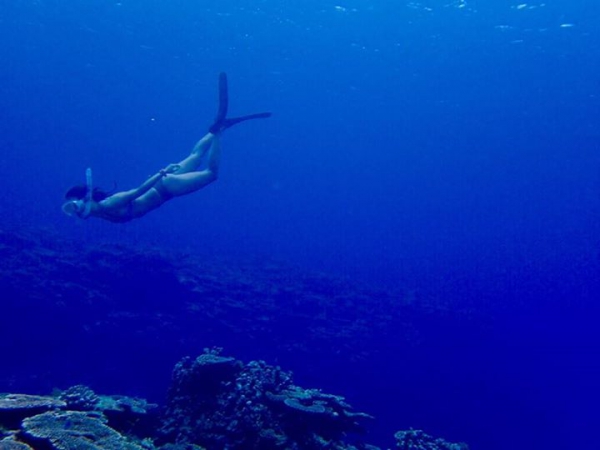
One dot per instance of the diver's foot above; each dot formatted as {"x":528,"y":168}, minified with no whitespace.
{"x":216,"y":128}
{"x":222,"y":125}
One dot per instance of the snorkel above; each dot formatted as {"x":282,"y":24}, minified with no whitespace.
{"x":87,"y":207}
{"x":82,"y":207}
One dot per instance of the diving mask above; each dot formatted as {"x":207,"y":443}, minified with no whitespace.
{"x":74,"y":208}
{"x":83,"y":207}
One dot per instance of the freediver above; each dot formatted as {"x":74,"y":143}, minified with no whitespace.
{"x":175,"y":180}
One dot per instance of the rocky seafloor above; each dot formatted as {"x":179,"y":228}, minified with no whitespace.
{"x":161,"y":303}
{"x":214,"y":402}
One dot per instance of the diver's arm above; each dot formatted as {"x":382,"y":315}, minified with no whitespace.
{"x":123,"y":198}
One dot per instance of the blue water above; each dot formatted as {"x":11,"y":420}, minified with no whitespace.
{"x":448,"y":147}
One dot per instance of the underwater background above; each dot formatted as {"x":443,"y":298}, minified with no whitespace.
{"x":440,"y":153}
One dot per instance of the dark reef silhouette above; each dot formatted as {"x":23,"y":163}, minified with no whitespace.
{"x":109,"y":307}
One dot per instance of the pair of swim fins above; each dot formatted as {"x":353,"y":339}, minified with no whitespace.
{"x":222,"y":122}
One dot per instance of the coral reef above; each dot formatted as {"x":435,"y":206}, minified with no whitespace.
{"x":80,"y":398}
{"x":76,"y":419}
{"x":133,"y":415}
{"x":419,"y":440}
{"x":11,"y":444}
{"x":108,"y":307}
{"x":67,"y":430}
{"x":15,"y":403}
{"x":15,"y":407}
{"x":214,"y":402}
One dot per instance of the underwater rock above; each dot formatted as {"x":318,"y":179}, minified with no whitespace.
{"x":419,"y":440}
{"x":215,"y":401}
{"x":68,"y":430}
{"x":15,"y":407}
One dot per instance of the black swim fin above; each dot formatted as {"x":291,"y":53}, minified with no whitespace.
{"x":223,"y":98}
{"x":227,"y":123}
{"x":221,"y":121}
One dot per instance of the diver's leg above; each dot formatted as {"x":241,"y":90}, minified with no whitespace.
{"x":185,"y":183}
{"x":214,"y":156}
{"x":192,"y":162}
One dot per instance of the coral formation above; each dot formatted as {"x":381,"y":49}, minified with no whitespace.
{"x":11,"y":444}
{"x":80,"y":398}
{"x":88,"y":299}
{"x":29,"y":403}
{"x":67,"y":430}
{"x":214,"y":402}
{"x":15,"y":407}
{"x":133,"y":415}
{"x":419,"y":440}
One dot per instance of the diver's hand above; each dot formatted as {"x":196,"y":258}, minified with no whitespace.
{"x":171,"y":168}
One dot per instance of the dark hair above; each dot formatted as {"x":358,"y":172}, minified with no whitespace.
{"x":79,"y":192}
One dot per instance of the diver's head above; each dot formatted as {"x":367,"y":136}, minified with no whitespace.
{"x":77,"y":203}
{"x":78,"y":192}
{"x":79,"y":200}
